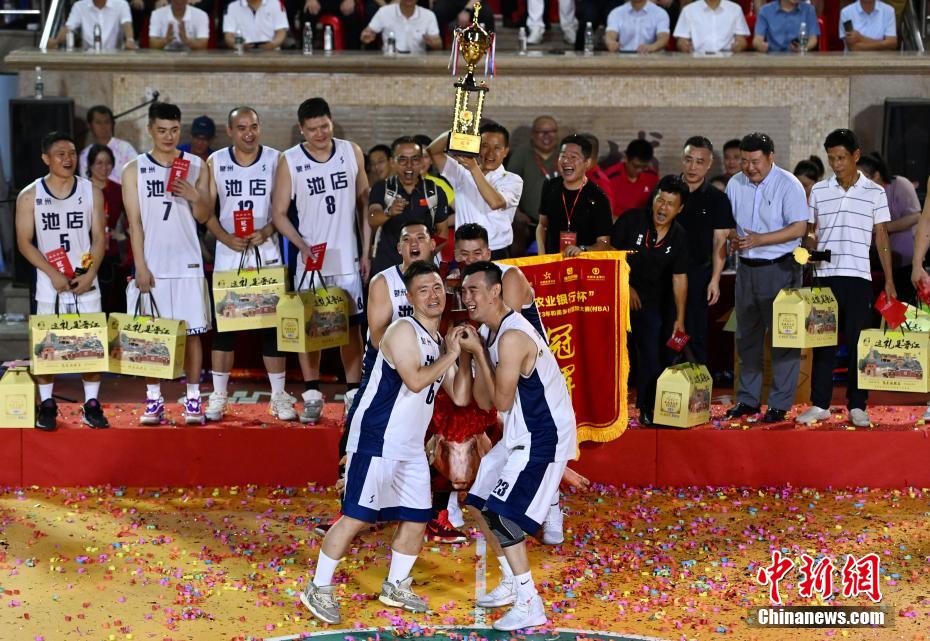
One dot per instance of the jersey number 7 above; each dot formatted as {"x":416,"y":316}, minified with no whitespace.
{"x":167,"y":209}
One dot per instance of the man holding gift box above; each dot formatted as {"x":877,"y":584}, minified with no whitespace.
{"x":164,"y":192}
{"x":845,"y":211}
{"x":241,"y":177}
{"x":325,"y":178}
{"x":60,"y":231}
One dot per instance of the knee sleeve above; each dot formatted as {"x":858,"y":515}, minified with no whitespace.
{"x":507,"y":532}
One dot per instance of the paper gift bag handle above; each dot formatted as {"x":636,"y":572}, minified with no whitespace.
{"x":242,"y":257}
{"x":686,"y":355}
{"x":313,"y":276}
{"x":152,"y":305}
{"x":77,"y":310}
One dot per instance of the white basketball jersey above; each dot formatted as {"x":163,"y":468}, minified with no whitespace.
{"x":389,"y":420}
{"x":241,"y":188}
{"x":397,"y":290}
{"x":64,"y":223}
{"x":542,"y":418}
{"x":172,"y":248}
{"x":530,"y":312}
{"x":325,"y":197}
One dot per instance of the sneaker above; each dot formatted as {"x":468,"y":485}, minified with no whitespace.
{"x":456,"y":516}
{"x":528,"y":614}
{"x":282,"y":406}
{"x":535,"y":35}
{"x":859,"y":418}
{"x":154,"y":412}
{"x":321,"y":602}
{"x":348,"y":400}
{"x":47,"y":416}
{"x":313,"y":406}
{"x":401,"y":596}
{"x":193,"y":411}
{"x":552,"y":526}
{"x":773,"y":415}
{"x":504,"y":594}
{"x":321,"y":529}
{"x":92,"y":415}
{"x":439,"y":530}
{"x":926,"y":415}
{"x":812,"y":414}
{"x":569,"y":34}
{"x":740,"y":410}
{"x":216,"y":406}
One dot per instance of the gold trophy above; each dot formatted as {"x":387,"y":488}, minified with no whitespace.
{"x":472,"y":42}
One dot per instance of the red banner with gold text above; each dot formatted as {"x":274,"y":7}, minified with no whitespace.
{"x":584,"y":303}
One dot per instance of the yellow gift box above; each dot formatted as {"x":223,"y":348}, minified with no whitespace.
{"x":17,"y":399}
{"x":894,"y":361}
{"x":312,"y":320}
{"x":804,"y":317}
{"x":68,"y":343}
{"x":147,"y":346}
{"x":248,"y":299}
{"x":683,"y":395}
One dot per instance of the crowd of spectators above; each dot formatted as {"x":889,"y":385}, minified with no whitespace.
{"x":415,"y":26}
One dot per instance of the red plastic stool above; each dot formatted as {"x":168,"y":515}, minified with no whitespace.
{"x":336,"y":24}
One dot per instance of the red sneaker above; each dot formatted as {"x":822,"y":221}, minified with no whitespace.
{"x":439,"y":530}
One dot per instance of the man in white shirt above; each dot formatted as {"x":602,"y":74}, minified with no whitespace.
{"x":873,"y":26}
{"x":712,"y":26}
{"x":485,"y":193}
{"x":100,"y":120}
{"x":638,"y":25}
{"x":178,"y":26}
{"x":113,"y":16}
{"x":415,"y":29}
{"x":537,"y":29}
{"x":263,"y":24}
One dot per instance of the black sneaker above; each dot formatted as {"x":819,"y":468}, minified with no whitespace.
{"x":93,"y":415}
{"x":645,"y":418}
{"x":740,"y":410}
{"x":774,"y":416}
{"x":47,"y":416}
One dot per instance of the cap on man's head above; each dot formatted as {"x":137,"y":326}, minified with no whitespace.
{"x":203,"y":126}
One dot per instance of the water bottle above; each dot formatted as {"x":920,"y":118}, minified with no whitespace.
{"x":98,"y":38}
{"x":802,"y":37}
{"x":521,"y":36}
{"x":308,"y":38}
{"x":391,"y":47}
{"x":240,"y":42}
{"x":40,"y":85}
{"x":328,"y":39}
{"x":69,"y":41}
{"x":589,"y":39}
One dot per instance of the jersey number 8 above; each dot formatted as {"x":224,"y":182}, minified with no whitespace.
{"x":330,"y":204}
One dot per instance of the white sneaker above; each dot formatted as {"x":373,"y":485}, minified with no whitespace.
{"x":552,"y":526}
{"x":349,"y":399}
{"x":812,"y":414}
{"x":528,"y":614}
{"x":859,"y":418}
{"x":282,"y":407}
{"x":504,"y":594}
{"x":535,"y":35}
{"x":216,"y":406}
{"x":569,"y":33}
{"x":313,"y":406}
{"x":456,"y":517}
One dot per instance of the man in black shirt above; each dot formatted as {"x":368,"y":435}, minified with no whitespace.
{"x":574,"y":214}
{"x":403,"y":198}
{"x":707,"y":218}
{"x":659,"y":263}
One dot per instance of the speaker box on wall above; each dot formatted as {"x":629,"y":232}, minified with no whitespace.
{"x":906,"y":140}
{"x":30,"y":120}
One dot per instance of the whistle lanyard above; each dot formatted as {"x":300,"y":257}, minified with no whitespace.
{"x":571,"y":212}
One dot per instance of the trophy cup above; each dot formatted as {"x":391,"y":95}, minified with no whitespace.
{"x":472,"y":43}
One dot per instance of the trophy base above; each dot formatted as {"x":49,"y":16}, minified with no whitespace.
{"x":463,"y":144}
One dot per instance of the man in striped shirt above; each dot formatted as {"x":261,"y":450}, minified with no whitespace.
{"x":845,"y":212}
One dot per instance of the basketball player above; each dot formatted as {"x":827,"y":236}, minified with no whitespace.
{"x":325,"y":177}
{"x":166,"y":249}
{"x":387,"y":476}
{"x":518,"y":375}
{"x":242,"y":176}
{"x":63,"y":211}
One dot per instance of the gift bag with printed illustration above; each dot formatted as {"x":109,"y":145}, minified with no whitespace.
{"x":147,"y":345}
{"x":895,"y":361}
{"x":805,"y":317}
{"x":315,"y":319}
{"x":683,"y":395}
{"x":248,"y":298}
{"x":68,"y":343}
{"x":17,"y":398}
